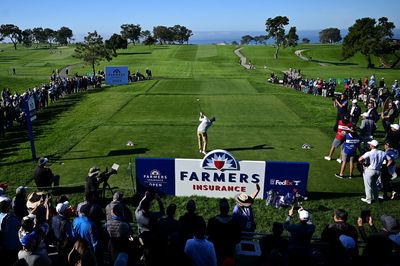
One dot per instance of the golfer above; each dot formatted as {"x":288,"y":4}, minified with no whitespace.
{"x":202,"y":138}
{"x":375,"y":159}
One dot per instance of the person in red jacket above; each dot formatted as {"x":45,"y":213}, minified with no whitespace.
{"x":343,"y":128}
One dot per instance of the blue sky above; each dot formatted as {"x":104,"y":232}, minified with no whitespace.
{"x":207,"y":15}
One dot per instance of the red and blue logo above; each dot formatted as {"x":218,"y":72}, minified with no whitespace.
{"x":219,"y":160}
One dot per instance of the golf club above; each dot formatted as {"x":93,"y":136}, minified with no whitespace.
{"x":199,"y":104}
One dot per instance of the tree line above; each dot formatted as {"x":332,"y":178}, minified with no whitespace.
{"x":129,"y":33}
{"x":28,"y":37}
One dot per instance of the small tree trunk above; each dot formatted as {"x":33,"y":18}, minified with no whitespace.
{"x":369,"y":61}
{"x":276,"y":52}
{"x":93,"y":68}
{"x":15,"y":45}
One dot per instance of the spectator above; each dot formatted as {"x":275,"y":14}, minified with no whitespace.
{"x":367,"y":129}
{"x":29,"y":253}
{"x":341,"y":238}
{"x":388,"y":172}
{"x":119,"y":232}
{"x":393,"y":136}
{"x":81,"y":254}
{"x":343,"y":128}
{"x":143,"y":213}
{"x":224,"y":232}
{"x":187,"y":221}
{"x":388,"y":116}
{"x":62,"y":232}
{"x":274,"y":242}
{"x":372,"y":171}
{"x":19,"y":203}
{"x":169,"y":235}
{"x":378,"y":249}
{"x":148,"y":73}
{"x":341,"y":106}
{"x":300,"y":236}
{"x":200,"y":251}
{"x":94,"y":179}
{"x":84,"y":228}
{"x":355,"y":112}
{"x":118,"y":199}
{"x":243,"y":212}
{"x":9,"y":226}
{"x":43,"y":176}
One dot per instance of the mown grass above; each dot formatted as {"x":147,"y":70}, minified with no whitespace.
{"x":255,"y":120}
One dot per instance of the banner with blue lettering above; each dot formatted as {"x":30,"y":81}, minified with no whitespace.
{"x":116,"y":75}
{"x":219,"y":175}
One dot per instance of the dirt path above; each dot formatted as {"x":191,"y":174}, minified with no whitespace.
{"x":242,"y":58}
{"x":299,"y":53}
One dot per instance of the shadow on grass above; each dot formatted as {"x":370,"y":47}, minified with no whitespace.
{"x":330,"y":195}
{"x":256,"y":147}
{"x":110,"y":153}
{"x":133,"y":53}
{"x":333,"y":63}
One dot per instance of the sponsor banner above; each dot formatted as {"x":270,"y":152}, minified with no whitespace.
{"x":192,"y":179}
{"x":155,"y":174}
{"x":116,"y":75}
{"x":219,"y":175}
{"x":286,"y":177}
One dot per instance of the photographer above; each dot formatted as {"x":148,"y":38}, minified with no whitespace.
{"x":341,"y":105}
{"x":95,"y":178}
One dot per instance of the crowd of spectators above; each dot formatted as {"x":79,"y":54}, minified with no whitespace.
{"x":37,"y":229}
{"x":12,"y":104}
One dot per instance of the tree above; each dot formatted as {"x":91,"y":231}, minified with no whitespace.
{"x":161,"y":33}
{"x":145,"y":34}
{"x":275,"y":29}
{"x":260,"y":39}
{"x":63,"y":35}
{"x":235,"y":43}
{"x":368,"y":37}
{"x":39,"y":35}
{"x":181,"y":34}
{"x":330,"y":35}
{"x":150,"y":40}
{"x":116,"y":42}
{"x":12,"y":32}
{"x":131,"y":32}
{"x":92,"y":51}
{"x":50,"y":35}
{"x":305,"y":40}
{"x":291,"y":37}
{"x":246,"y":39}
{"x":27,"y":37}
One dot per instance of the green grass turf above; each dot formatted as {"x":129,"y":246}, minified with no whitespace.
{"x":255,"y":120}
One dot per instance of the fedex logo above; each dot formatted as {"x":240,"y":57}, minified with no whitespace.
{"x":286,"y":182}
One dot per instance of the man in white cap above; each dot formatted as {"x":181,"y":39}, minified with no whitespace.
{"x":300,"y":235}
{"x":372,"y":170}
{"x":355,"y":112}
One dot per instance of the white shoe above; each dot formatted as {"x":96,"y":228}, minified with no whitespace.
{"x":200,"y":151}
{"x":204,"y":152}
{"x":339,"y":160}
{"x":394,"y":176}
{"x":366,"y":200}
{"x":327,"y":158}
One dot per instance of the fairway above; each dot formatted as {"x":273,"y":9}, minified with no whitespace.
{"x":255,"y":120}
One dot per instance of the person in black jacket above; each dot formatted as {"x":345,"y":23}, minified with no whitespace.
{"x":43,"y":175}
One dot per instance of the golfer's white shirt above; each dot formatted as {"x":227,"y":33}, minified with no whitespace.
{"x":204,"y":125}
{"x":376,"y":158}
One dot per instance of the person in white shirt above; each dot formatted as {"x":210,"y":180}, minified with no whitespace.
{"x":202,"y":137}
{"x":375,"y":159}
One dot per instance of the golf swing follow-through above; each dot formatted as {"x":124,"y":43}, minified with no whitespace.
{"x":205,"y":123}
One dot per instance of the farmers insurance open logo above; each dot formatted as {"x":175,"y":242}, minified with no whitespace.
{"x":155,"y":178}
{"x":219,"y":160}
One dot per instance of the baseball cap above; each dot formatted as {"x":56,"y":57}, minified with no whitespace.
{"x":20,"y":190}
{"x":61,"y":207}
{"x":93,"y":171}
{"x":373,"y":142}
{"x":354,"y":101}
{"x":395,"y":126}
{"x":42,"y":161}
{"x":303,"y":215}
